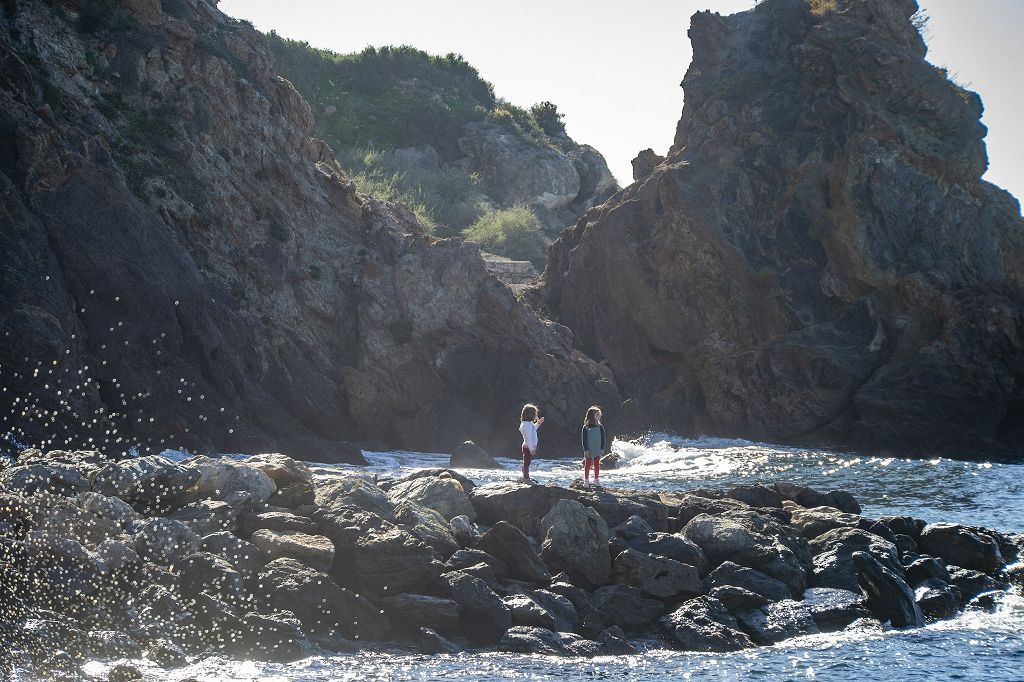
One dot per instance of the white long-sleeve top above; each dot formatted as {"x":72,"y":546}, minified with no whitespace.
{"x":529,"y":431}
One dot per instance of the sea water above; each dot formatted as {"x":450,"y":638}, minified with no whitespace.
{"x":976,"y":645}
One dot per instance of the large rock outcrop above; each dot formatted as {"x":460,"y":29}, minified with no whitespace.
{"x":817,"y":259}
{"x":185,"y":263}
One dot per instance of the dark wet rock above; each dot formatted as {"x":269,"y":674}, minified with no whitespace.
{"x":729,"y":573}
{"x":272,"y":637}
{"x":672,"y":546}
{"x":57,"y":479}
{"x":626,"y":607}
{"x":616,"y":506}
{"x":657,"y":576}
{"x":166,"y":654}
{"x":206,"y":572}
{"x":889,"y":596}
{"x":354,"y":490}
{"x":274,"y":520}
{"x":925,"y":568}
{"x":971,"y":583}
{"x":938,"y":599}
{"x":843,"y":501}
{"x":432,"y":643}
{"x":1014,"y":574}
{"x":704,"y":624}
{"x":508,"y":543}
{"x":777,"y":621}
{"x":987,"y":601}
{"x":519,"y":504}
{"x":317,"y":601}
{"x":378,"y":556}
{"x":485,"y":572}
{"x":107,"y":644}
{"x":811,"y":523}
{"x":484,"y":618}
{"x":589,"y":622}
{"x":443,"y":494}
{"x":243,"y":555}
{"x":537,"y":640}
{"x":207,"y":516}
{"x":470,"y":557}
{"x":125,"y":672}
{"x":576,"y":541}
{"x":691,"y":505}
{"x":429,"y":526}
{"x":293,"y":496}
{"x":834,"y":609}
{"x":904,"y":525}
{"x":165,"y":541}
{"x":465,"y":532}
{"x":526,"y":611}
{"x":962,"y":546}
{"x":415,"y":611}
{"x":833,"y":560}
{"x":334,"y":642}
{"x":561,"y":609}
{"x":315,"y":551}
{"x":737,"y":597}
{"x":149,"y":484}
{"x":633,"y":530}
{"x":469,"y":455}
{"x":905,"y":544}
{"x":755,"y":495}
{"x":613,"y":641}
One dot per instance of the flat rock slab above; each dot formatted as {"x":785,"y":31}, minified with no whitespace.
{"x":315,"y":551}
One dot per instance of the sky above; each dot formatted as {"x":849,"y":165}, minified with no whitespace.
{"x":614,"y":69}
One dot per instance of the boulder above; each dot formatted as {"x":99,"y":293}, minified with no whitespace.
{"x":207,"y":516}
{"x":834,"y":609}
{"x":58,"y":479}
{"x":889,"y":596}
{"x":282,"y":469}
{"x":483,"y":618}
{"x":109,"y":644}
{"x":525,"y":611}
{"x":971,"y":583}
{"x":938,"y":599}
{"x":704,"y":624}
{"x":115,"y":554}
{"x":112,"y":508}
{"x":811,"y":523}
{"x":274,"y":520}
{"x":755,"y":495}
{"x":926,"y":568}
{"x":149,"y":484}
{"x":354,"y":490}
{"x":613,"y":640}
{"x":469,"y":455}
{"x":632,"y":531}
{"x":206,"y":572}
{"x":777,"y":621}
{"x":737,"y":597}
{"x":219,"y":477}
{"x":444,"y":495}
{"x":657,"y":576}
{"x":690,"y":505}
{"x":470,"y":557}
{"x":378,"y":555}
{"x":626,"y":607}
{"x":416,"y":611}
{"x":246,"y":557}
{"x":962,"y":546}
{"x":464,"y":531}
{"x":522,"y":639}
{"x":165,"y":541}
{"x":560,"y":607}
{"x":833,"y":560}
{"x":904,"y":525}
{"x":588,"y":620}
{"x":508,"y":543}
{"x":616,"y":506}
{"x":519,"y":504}
{"x":576,"y":541}
{"x":318,"y":602}
{"x":315,"y":551}
{"x":432,"y":643}
{"x":429,"y":526}
{"x":729,"y":573}
{"x":673,"y":546}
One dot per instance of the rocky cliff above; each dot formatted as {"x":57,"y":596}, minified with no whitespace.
{"x":817,"y":259}
{"x":183,"y":262}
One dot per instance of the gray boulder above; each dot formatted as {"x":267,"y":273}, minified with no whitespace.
{"x":526,"y":611}
{"x":113,"y":508}
{"x":777,"y":621}
{"x":219,"y":477}
{"x":165,"y":541}
{"x":243,"y":555}
{"x":673,"y":546}
{"x":889,"y":596}
{"x":938,"y":599}
{"x":315,"y":551}
{"x":613,"y":640}
{"x":206,"y":572}
{"x":560,"y":607}
{"x":150,"y":483}
{"x":811,"y":523}
{"x":972,"y":583}
{"x":834,"y":609}
{"x":626,"y":607}
{"x":443,"y":494}
{"x":415,"y":611}
{"x":508,"y":543}
{"x":962,"y":546}
{"x":429,"y":526}
{"x":432,"y":643}
{"x":737,"y":597}
{"x":519,"y":504}
{"x":354,"y":490}
{"x":749,"y":579}
{"x":207,"y":516}
{"x":274,"y":520}
{"x":58,"y":479}
{"x":656,"y":575}
{"x":483,"y":617}
{"x":469,"y":455}
{"x":704,"y":624}
{"x":522,"y":639}
{"x":576,"y":541}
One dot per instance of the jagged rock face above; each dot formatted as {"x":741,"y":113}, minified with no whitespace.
{"x":817,"y":259}
{"x":172,"y":231}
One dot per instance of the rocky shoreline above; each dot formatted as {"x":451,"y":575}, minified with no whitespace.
{"x":257,"y":559}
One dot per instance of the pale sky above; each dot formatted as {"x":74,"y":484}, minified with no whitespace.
{"x":614,"y":68}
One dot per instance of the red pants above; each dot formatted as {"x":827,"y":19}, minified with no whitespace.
{"x":527,"y":458}
{"x":587,"y":462}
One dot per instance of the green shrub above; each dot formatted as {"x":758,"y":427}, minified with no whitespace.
{"x":548,"y":117}
{"x":511,"y":232}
